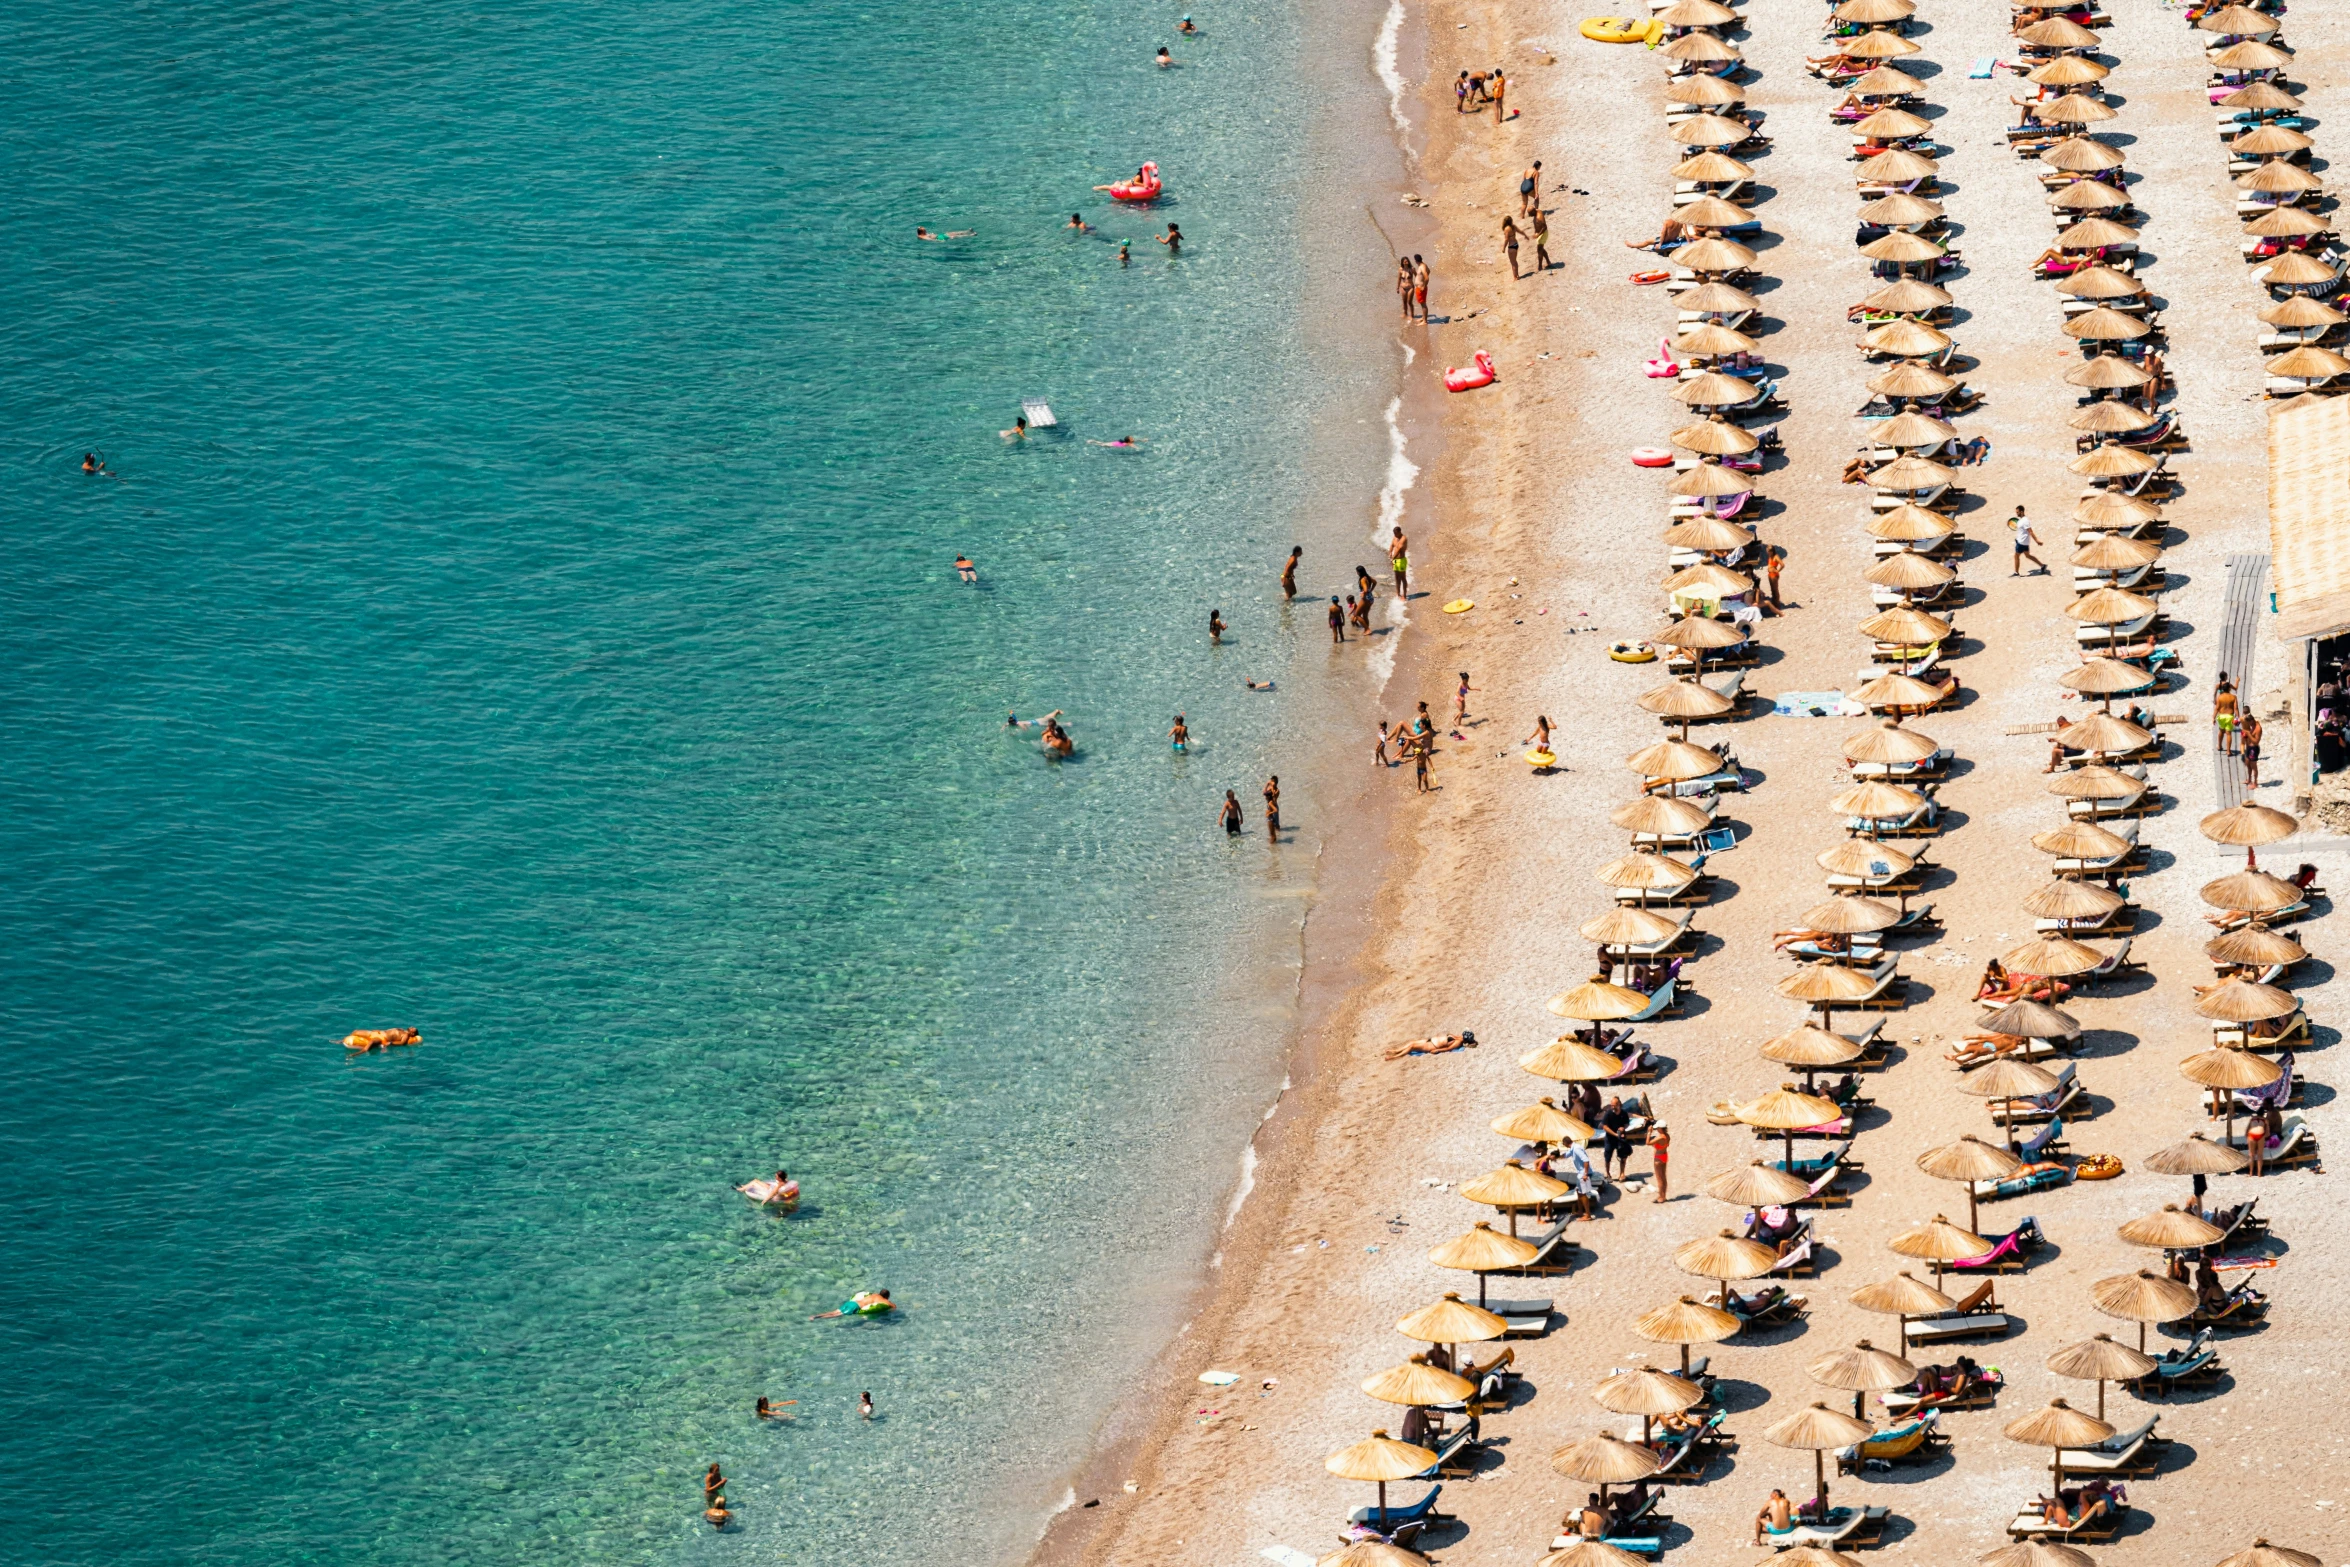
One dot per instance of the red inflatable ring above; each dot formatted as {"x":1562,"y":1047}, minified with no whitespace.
{"x":1651,"y":457}
{"x":1645,"y":278}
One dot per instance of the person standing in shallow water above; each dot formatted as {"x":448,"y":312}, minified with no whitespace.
{"x":1403,"y":292}
{"x":1337,"y":620}
{"x":1399,"y":561}
{"x":1231,"y":814}
{"x":1297,"y":552}
{"x":1273,"y":808}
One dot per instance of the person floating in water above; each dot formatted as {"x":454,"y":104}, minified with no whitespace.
{"x":1260,"y":685}
{"x":1018,"y":431}
{"x":1124,"y":443}
{"x":767,"y":1411}
{"x":922,"y":233}
{"x":865,"y":1303}
{"x":1015,"y":721}
{"x":965,"y":570}
{"x":1077,"y":222}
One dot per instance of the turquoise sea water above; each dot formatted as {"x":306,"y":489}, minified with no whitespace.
{"x":523,"y":608}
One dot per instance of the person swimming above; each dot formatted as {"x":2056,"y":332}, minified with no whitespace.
{"x":1077,"y":222}
{"x":865,"y":1303}
{"x":1260,"y":685}
{"x":1015,"y":721}
{"x":1018,"y":431}
{"x":965,"y":570}
{"x":1186,"y":29}
{"x":1124,"y":443}
{"x":1165,"y":59}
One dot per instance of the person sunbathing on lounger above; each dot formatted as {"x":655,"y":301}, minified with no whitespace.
{"x":1674,"y":234}
{"x":1777,"y":1515}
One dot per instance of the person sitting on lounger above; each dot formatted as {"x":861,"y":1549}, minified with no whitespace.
{"x":2306,"y":880}
{"x":1777,"y":1515}
{"x":1674,"y":234}
{"x":1994,"y":982}
{"x":1587,"y":1520}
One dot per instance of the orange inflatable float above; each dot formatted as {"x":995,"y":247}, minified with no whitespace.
{"x":381,"y":1038}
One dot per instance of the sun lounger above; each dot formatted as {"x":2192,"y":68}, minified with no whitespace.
{"x":2280,"y":1093}
{"x":1455,"y":1454}
{"x":1964,"y":1385}
{"x":2129,"y":1463}
{"x":1844,"y":1529}
{"x":1951,"y":1326}
{"x":2039,"y":1177}
{"x":1692,"y":1453}
{"x":2029,"y":1525}
{"x":1981,"y":1051}
{"x":2008,"y":1255}
{"x":1835,"y":1159}
{"x":2270,"y":1034}
{"x":2044,"y":1142}
{"x":2240,"y":1222}
{"x":1394,"y":1514}
{"x":1767,"y":1307}
{"x":1526,"y":1318}
{"x":2043,"y":1107}
{"x":2241,"y":1307}
{"x":1797,"y":1263}
{"x":2195,"y":1361}
{"x":1911,"y":1441}
{"x":2116,"y":962}
{"x":1553,"y":1252}
{"x":2236,"y":919}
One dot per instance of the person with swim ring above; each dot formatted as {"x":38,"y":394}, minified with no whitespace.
{"x":865,"y":1303}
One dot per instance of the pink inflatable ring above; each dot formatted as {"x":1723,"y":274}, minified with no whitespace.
{"x":1651,"y":457}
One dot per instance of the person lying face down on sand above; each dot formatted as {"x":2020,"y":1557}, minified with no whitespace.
{"x":1443,"y":1044}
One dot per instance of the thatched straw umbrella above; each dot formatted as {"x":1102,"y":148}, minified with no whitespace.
{"x":1970,"y":1159}
{"x":2100,"y":1360}
{"x":2225,"y":1071}
{"x":1481,"y":1251}
{"x":1380,"y":1458}
{"x":1511,"y":1188}
{"x":1818,"y":1429}
{"x":1685,"y":1322}
{"x":2006,"y":1079}
{"x":1941,"y":1243}
{"x":1862,"y":1370}
{"x":1543,"y":1122}
{"x":1451,"y":1321}
{"x":2248,"y":827}
{"x":1648,"y":1393}
{"x":1725,"y":1257}
{"x":1902,"y":1296}
{"x":2058,"y":1426}
{"x":1567,"y":1059}
{"x":2142,"y":1297}
{"x":1783,"y":1110}
{"x":1605,"y":1460}
{"x":1417,"y":1382}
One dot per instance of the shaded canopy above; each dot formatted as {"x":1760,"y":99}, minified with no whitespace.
{"x":1379,"y":1457}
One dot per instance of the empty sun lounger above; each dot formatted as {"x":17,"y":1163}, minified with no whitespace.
{"x":1553,"y":1252}
{"x":1397,"y":1513}
{"x":1526,"y":1318}
{"x":2192,"y":1362}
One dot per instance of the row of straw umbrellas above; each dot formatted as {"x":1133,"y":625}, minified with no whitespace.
{"x":2278,"y":194}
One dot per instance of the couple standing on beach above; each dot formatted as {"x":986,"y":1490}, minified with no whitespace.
{"x":1411,"y":286}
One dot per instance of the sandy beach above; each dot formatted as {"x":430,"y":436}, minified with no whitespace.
{"x":1554,"y":534}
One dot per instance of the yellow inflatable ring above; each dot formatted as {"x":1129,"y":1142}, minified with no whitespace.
{"x":1460,"y":606}
{"x":1631,"y":652}
{"x":1541,"y":759}
{"x":1617,"y":29}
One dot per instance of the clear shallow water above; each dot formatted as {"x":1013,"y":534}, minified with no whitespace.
{"x":525,"y":611}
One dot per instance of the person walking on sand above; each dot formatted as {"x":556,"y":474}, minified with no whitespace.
{"x":2022,"y":529}
{"x":2250,"y":734}
{"x":1528,"y":183}
{"x":1273,"y":809}
{"x":1541,"y":239}
{"x":1297,"y":552}
{"x":1420,"y":286}
{"x":2224,"y":708}
{"x":1231,"y":814}
{"x":1403,"y":285}
{"x":1399,"y":561}
{"x":1509,"y":242}
{"x":1337,"y":620}
{"x":1660,"y":1151}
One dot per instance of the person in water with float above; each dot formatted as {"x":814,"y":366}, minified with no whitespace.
{"x":866,"y":1303}
{"x":782,"y":1192}
{"x":1145,"y":186}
